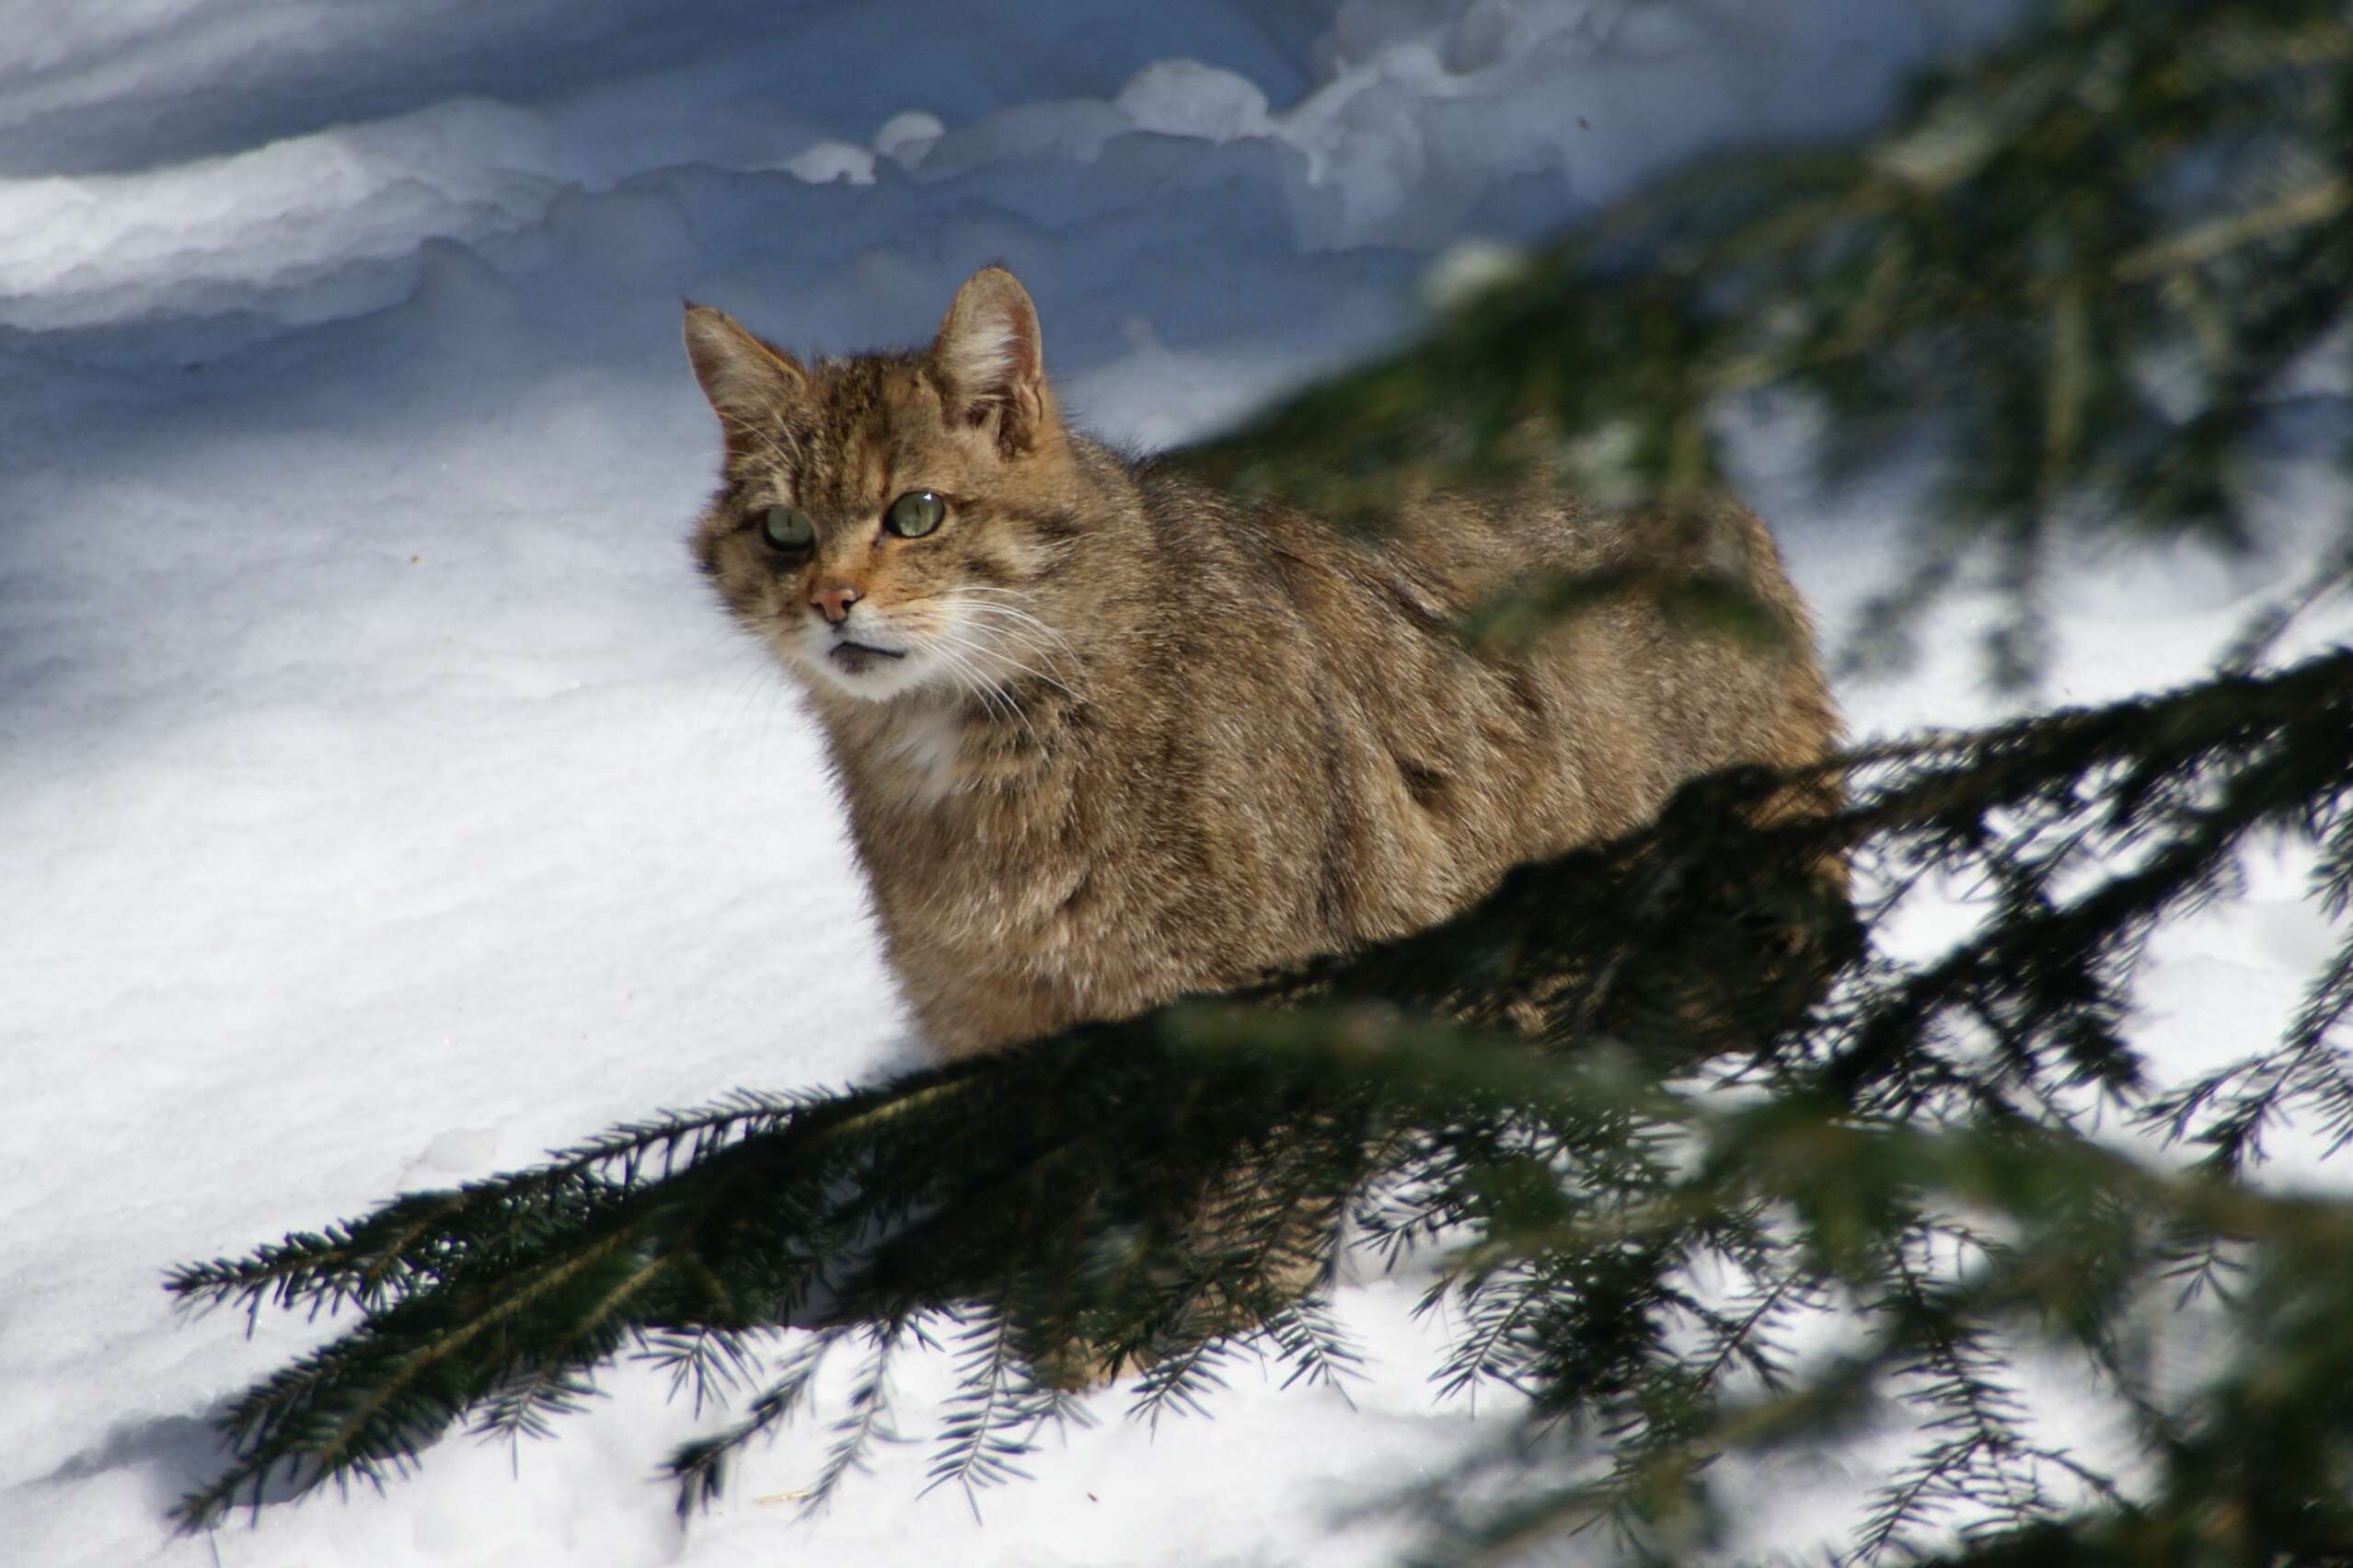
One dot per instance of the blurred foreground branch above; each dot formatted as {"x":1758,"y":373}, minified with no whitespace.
{"x":2084,"y":271}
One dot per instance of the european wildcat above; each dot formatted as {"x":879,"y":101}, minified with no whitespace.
{"x":1106,"y":736}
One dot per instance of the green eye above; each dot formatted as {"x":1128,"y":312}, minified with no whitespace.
{"x":788,"y":529}
{"x":915,"y":514}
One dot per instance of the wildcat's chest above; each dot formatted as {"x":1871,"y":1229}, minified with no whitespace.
{"x":999,"y":932}
{"x":922,"y":758}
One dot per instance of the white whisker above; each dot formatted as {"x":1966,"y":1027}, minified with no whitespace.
{"x":1025,"y":633}
{"x":1004,"y":652}
{"x":1016,"y":667}
{"x":1018,"y":617}
{"x":954,"y":651}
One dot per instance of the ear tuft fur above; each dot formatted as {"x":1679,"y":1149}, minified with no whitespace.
{"x":987,"y":360}
{"x":742,"y":377}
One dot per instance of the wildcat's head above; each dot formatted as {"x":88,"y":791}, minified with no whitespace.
{"x":893,"y":522}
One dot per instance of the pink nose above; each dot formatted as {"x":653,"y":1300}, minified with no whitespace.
{"x":834,"y":602}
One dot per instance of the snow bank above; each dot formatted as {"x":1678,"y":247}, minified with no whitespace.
{"x":385,"y":801}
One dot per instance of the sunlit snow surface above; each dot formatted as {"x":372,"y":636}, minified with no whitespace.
{"x":383,"y":800}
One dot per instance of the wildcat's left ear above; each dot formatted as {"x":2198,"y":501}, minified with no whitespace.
{"x":988,"y":363}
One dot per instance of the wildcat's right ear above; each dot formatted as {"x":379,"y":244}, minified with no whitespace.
{"x":744,"y":378}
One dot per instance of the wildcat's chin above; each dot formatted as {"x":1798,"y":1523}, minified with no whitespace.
{"x":870,"y":672}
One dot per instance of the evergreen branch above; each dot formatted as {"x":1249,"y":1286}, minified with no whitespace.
{"x":1501,"y":1337}
{"x":998,"y":1396}
{"x":1320,"y":1352}
{"x":383,"y":1419}
{"x":1590,"y":1178}
{"x":523,"y":1406}
{"x":700,"y":1467}
{"x":414,"y":1237}
{"x":1736,"y":1337}
{"x":1961,"y":1387}
{"x":707,"y":1362}
{"x":1182,"y":1379}
{"x":2316,"y":202}
{"x":2263,"y":629}
{"x":865,"y":1422}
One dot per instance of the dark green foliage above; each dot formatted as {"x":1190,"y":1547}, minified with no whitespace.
{"x":2078,"y":268}
{"x":1662,"y":1111}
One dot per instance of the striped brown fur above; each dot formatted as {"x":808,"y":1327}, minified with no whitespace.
{"x":1142,"y":739}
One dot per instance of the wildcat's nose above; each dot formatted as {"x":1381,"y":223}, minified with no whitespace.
{"x":834,"y":601}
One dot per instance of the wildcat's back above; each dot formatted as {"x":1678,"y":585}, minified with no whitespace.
{"x":1106,"y":736}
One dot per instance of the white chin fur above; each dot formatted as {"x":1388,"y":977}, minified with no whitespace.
{"x":880,"y":681}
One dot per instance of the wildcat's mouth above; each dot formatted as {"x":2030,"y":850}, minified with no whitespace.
{"x":856,"y":658}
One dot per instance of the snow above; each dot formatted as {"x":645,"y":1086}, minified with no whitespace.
{"x":385,"y":802}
